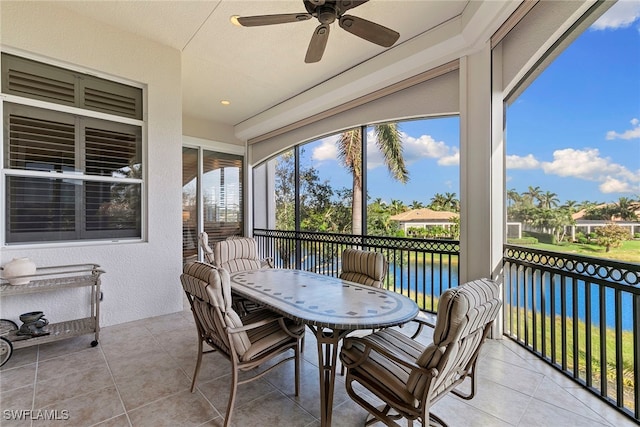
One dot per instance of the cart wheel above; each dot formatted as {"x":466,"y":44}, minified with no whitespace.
{"x":7,"y":326}
{"x":6,"y":349}
{"x":94,"y":343}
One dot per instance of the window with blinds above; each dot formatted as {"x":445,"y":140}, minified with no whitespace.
{"x":69,"y":177}
{"x":35,"y":80}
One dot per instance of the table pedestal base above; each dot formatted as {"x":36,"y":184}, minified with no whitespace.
{"x":327,"y":340}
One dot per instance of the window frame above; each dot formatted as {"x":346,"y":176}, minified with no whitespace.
{"x":88,"y":117}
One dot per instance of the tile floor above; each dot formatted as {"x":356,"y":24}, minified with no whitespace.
{"x":140,"y":373}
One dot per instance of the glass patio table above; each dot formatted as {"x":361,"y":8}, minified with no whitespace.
{"x":329,"y":306}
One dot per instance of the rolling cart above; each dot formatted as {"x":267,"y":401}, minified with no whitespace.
{"x":51,"y":279}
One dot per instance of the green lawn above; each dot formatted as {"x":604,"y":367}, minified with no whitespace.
{"x":628,"y":252}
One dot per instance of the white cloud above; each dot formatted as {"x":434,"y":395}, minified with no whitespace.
{"x":415,"y":149}
{"x":327,"y":150}
{"x":519,"y":162}
{"x":613,"y":185}
{"x":424,"y":146}
{"x":620,"y":15}
{"x":586,"y":164}
{"x":450,"y":160}
{"x":632,"y":133}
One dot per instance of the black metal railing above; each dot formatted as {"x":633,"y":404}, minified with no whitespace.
{"x":420,"y":269}
{"x":581,"y":315}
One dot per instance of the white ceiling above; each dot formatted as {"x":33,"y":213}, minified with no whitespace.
{"x":259,"y":68}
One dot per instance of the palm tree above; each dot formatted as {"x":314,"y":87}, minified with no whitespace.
{"x":625,"y":209}
{"x":416,"y":205}
{"x":513,"y":197}
{"x":548,"y":200}
{"x":388,"y":140}
{"x":532,"y":194}
{"x":439,"y":202}
{"x":397,"y":206}
{"x":571,"y":206}
{"x":451,"y":203}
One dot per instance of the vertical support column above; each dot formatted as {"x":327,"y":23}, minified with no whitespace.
{"x":481,"y":167}
{"x":296,"y":162}
{"x":363,"y":168}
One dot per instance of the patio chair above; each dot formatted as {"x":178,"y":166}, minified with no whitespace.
{"x":248,"y":342}
{"x":410,"y":377}
{"x":364,"y":267}
{"x":235,"y":254}
{"x":239,"y":254}
{"x":370,"y":268}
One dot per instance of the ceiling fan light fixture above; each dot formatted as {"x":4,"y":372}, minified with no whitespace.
{"x":225,"y":102}
{"x":326,"y":12}
{"x":234,"y":20}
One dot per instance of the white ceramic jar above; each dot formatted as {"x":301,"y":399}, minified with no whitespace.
{"x":18,"y":267}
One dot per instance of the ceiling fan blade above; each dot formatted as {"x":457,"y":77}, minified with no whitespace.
{"x":345,"y":5}
{"x":317,"y":44}
{"x":283,"y":18}
{"x":375,"y":33}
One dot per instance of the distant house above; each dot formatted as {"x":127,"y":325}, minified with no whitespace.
{"x":587,"y":226}
{"x":424,"y":218}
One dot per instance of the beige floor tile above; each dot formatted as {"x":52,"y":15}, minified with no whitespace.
{"x":542,"y":414}
{"x":275,"y":409}
{"x":553,"y":394}
{"x":64,"y":347}
{"x":140,"y":364}
{"x":217,"y":392}
{"x":67,"y":364}
{"x":523,"y":380}
{"x":502,"y":402}
{"x":170,"y":322}
{"x":20,"y":357}
{"x":144,"y":388}
{"x":128,"y":347}
{"x":603,"y":409}
{"x":119,"y":421}
{"x":181,"y":409}
{"x":309,"y":398}
{"x":456,"y":412}
{"x":145,"y":368}
{"x":16,"y":405}
{"x":17,"y":377}
{"x":69,"y":386}
{"x":85,"y":410}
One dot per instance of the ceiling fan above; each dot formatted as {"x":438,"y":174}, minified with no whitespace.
{"x":327,"y":12}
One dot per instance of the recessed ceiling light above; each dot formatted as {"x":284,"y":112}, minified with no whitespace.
{"x":225,"y":102}
{"x":234,"y":20}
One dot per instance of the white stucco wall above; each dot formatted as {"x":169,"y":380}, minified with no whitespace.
{"x":142,"y":279}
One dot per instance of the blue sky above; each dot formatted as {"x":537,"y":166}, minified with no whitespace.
{"x":575,"y":131}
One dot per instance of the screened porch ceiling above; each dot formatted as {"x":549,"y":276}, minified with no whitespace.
{"x":259,"y":68}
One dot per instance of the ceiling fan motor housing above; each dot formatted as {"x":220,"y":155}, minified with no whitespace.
{"x":326,"y":14}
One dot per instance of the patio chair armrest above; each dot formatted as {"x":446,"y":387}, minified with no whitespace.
{"x":266,"y":262}
{"x":424,"y":319}
{"x":257,"y":324}
{"x":397,"y":358}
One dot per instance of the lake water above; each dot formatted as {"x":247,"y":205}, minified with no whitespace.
{"x":433,"y":281}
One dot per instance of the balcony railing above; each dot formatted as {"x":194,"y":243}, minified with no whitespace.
{"x":581,"y":315}
{"x":419,"y":269}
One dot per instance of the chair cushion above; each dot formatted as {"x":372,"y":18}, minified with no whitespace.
{"x":213,"y":286}
{"x":365,"y":267}
{"x":383,"y":376}
{"x":464,"y":309}
{"x":237,"y":254}
{"x":268,"y":337}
